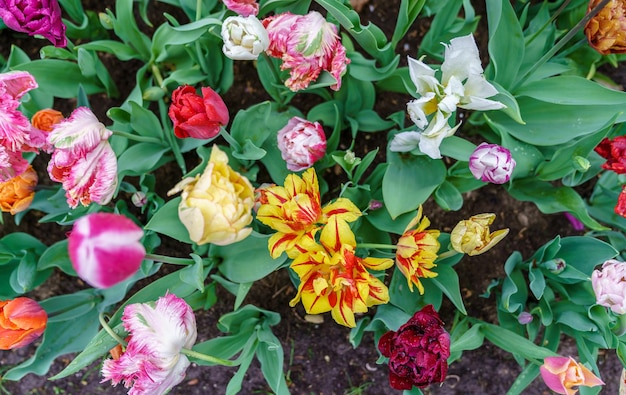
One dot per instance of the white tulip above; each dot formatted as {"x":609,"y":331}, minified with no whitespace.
{"x":245,"y":38}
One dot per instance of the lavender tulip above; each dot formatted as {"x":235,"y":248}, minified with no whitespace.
{"x":41,"y":17}
{"x":492,"y":163}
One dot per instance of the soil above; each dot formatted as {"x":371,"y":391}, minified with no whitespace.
{"x":318,"y":357}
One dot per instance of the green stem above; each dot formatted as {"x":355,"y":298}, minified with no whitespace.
{"x":157,"y":74}
{"x":207,"y":358}
{"x":376,"y":245}
{"x":170,"y":260}
{"x":548,"y":22}
{"x":135,"y":137}
{"x":110,"y":331}
{"x":561,"y":43}
{"x":270,"y":63}
{"x":447,"y":254}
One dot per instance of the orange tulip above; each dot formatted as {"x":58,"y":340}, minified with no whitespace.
{"x":45,"y":119}
{"x":606,"y":31}
{"x":17,"y":193}
{"x":22,"y":320}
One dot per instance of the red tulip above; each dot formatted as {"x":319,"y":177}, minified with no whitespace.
{"x":195,"y":116}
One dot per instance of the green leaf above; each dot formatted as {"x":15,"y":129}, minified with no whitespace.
{"x":122,"y":51}
{"x":448,"y":197}
{"x":448,"y":282}
{"x":166,"y":221}
{"x":270,"y":354}
{"x":141,"y":158}
{"x":408,"y":12}
{"x":514,"y":343}
{"x":410,"y":175}
{"x":470,"y":340}
{"x":585,"y":253}
{"x":145,"y":122}
{"x":247,"y":260}
{"x":60,"y":78}
{"x":506,"y":43}
{"x":194,"y":274}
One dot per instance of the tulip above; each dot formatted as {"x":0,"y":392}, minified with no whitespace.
{"x":105,"y":248}
{"x":243,"y":7}
{"x":561,"y":374}
{"x":614,"y":151}
{"x":620,"y":207}
{"x":609,"y":285}
{"x":472,"y":237}
{"x":152,"y":362}
{"x":35,"y":17}
{"x":216,"y":207}
{"x":195,"y":116}
{"x":428,"y":140}
{"x":307,"y":45}
{"x":417,"y":251}
{"x":333,"y":278}
{"x":491,"y":163}
{"x":606,"y":31}
{"x":295,"y":210}
{"x":22,"y":320}
{"x":301,"y":143}
{"x":15,"y":84}
{"x":17,"y":194}
{"x":417,"y":351}
{"x":245,"y":38}
{"x":12,"y":164}
{"x":46,"y":119}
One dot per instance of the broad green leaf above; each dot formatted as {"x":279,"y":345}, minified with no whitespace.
{"x":269,"y":352}
{"x":366,"y":70}
{"x":448,"y":197}
{"x":457,"y":148}
{"x":167,"y":35}
{"x":448,"y":282}
{"x":122,"y":51}
{"x":470,"y":340}
{"x":145,"y":122}
{"x":166,"y":221}
{"x":514,"y":343}
{"x":141,"y":158}
{"x":585,"y":253}
{"x":506,"y":44}
{"x":410,"y":176}
{"x":247,"y":260}
{"x":60,"y":78}
{"x":408,"y":12}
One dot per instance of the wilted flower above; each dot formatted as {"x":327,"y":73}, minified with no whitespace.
{"x":45,"y":119}
{"x":35,"y":17}
{"x":418,"y":351}
{"x":462,"y":85}
{"x":472,"y":236}
{"x":301,"y":143}
{"x":491,"y":163}
{"x":606,"y":31}
{"x":417,"y":251}
{"x":243,"y":7}
{"x":22,"y":320}
{"x":152,"y":362}
{"x":83,"y":160}
{"x":561,"y":374}
{"x":333,"y":278}
{"x":614,"y":151}
{"x":18,"y":193}
{"x":609,"y":285}
{"x":195,"y":116}
{"x":105,"y":248}
{"x":245,"y":38}
{"x":216,"y":207}
{"x":295,"y":210}
{"x":307,"y":45}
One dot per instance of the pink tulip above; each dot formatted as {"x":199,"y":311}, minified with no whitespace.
{"x":243,"y":7}
{"x":301,"y":143}
{"x":42,"y":17}
{"x":152,"y":362}
{"x":492,"y":163}
{"x":307,"y":45}
{"x":105,"y":249}
{"x":561,"y":374}
{"x":16,"y":83}
{"x":609,"y":285}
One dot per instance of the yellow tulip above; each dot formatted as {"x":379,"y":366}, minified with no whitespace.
{"x":216,"y":207}
{"x":472,"y":236}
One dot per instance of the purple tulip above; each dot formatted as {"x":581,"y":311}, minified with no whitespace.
{"x":492,"y":163}
{"x":41,"y":17}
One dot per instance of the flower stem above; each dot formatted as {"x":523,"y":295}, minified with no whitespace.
{"x":157,"y":74}
{"x":109,"y":330}
{"x":170,"y":259}
{"x":447,"y":254}
{"x":135,"y":137}
{"x":376,"y":245}
{"x":207,"y":358}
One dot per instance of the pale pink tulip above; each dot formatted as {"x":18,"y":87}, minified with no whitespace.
{"x":609,"y":285}
{"x":307,"y":45}
{"x":561,"y":374}
{"x":105,"y":248}
{"x":243,"y":7}
{"x":301,"y":143}
{"x":152,"y":363}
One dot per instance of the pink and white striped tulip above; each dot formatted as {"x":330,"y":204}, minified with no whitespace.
{"x":301,"y":143}
{"x":105,"y":249}
{"x":243,"y":7}
{"x":492,"y":163}
{"x":561,"y":374}
{"x":152,"y":363}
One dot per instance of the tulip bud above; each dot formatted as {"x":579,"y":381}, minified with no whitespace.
{"x":139,"y":199}
{"x":216,"y":207}
{"x":491,"y":163}
{"x":105,"y":248}
{"x":245,"y":38}
{"x":609,"y":285}
{"x":301,"y":143}
{"x":472,"y":236}
{"x":46,"y":119}
{"x":105,"y":21}
{"x":153,"y":93}
{"x":556,"y":265}
{"x":606,"y":31}
{"x":581,"y":163}
{"x":22,"y":320}
{"x":525,"y":318}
